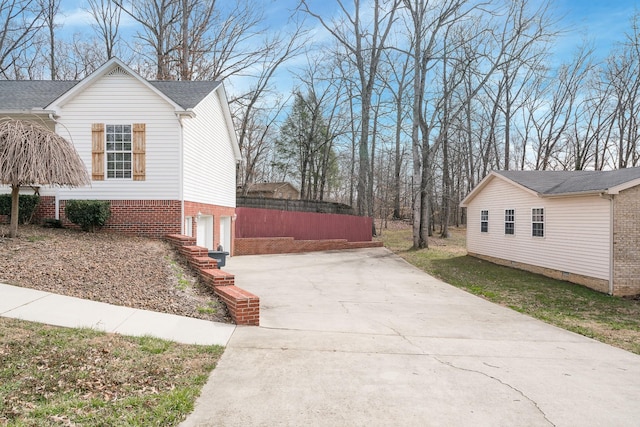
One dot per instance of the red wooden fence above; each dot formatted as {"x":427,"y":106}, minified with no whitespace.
{"x":253,"y":222}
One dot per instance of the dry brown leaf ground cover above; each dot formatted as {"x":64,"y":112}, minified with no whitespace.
{"x":107,"y":267}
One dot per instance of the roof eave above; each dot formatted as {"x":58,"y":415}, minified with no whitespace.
{"x":624,"y":186}
{"x":35,"y":111}
{"x":573,"y":194}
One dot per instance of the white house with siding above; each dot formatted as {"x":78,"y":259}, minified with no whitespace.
{"x":164,"y":153}
{"x":579,"y":226}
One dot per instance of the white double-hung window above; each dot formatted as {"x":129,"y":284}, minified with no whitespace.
{"x":509,"y":221}
{"x":537,"y":222}
{"x":119,"y":151}
{"x":484,"y":221}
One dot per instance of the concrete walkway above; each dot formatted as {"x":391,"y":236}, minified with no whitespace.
{"x":360,"y":338}
{"x":59,"y":310}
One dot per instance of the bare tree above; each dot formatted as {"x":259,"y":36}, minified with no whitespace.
{"x":158,"y":19}
{"x":482,"y":36}
{"x":107,"y":24}
{"x":364,"y":41}
{"x":282,"y":48}
{"x":554,"y":120}
{"x":50,"y":9}
{"x":20,"y":21}
{"x":399,"y":71}
{"x":233,"y":42}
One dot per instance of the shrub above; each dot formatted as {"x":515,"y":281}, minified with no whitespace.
{"x":51,"y":223}
{"x":88,"y":214}
{"x":27,"y":204}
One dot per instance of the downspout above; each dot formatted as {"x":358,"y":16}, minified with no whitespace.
{"x":181,"y":174}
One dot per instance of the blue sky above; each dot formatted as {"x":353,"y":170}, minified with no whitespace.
{"x":602,"y":22}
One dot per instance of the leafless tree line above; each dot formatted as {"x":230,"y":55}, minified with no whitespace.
{"x":399,"y":108}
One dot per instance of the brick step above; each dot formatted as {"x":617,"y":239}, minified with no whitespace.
{"x":217,"y":277}
{"x":243,"y":305}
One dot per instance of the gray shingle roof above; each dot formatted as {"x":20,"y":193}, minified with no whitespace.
{"x":186,"y":94}
{"x":570,"y":182}
{"x":37,"y":94}
{"x":30,"y":94}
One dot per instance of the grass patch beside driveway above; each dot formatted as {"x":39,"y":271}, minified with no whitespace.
{"x":58,"y":376}
{"x":612,"y":320}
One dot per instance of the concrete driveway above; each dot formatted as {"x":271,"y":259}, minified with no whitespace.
{"x":361,"y":338}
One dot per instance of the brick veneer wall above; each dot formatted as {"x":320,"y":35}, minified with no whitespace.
{"x":149,"y":218}
{"x":192,"y":209}
{"x":243,"y":306}
{"x":46,"y":208}
{"x":283,"y":245}
{"x":626,"y":242}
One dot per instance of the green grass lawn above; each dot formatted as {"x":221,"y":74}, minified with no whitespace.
{"x":59,"y":376}
{"x":612,"y":320}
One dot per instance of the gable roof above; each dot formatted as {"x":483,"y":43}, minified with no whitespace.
{"x":564,"y":183}
{"x":42,"y":96}
{"x":19,"y":95}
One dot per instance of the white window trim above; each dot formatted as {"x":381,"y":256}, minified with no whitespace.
{"x":107,"y":152}
{"x":543,"y":222}
{"x":481,"y":221}
{"x":510,"y":222}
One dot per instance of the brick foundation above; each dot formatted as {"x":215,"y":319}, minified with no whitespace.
{"x":243,"y":306}
{"x":47,"y":208}
{"x":147,"y":218}
{"x":286,"y":245}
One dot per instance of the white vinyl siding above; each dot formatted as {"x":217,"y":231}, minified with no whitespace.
{"x":565,"y":246}
{"x":122,"y":99}
{"x":210,"y":169}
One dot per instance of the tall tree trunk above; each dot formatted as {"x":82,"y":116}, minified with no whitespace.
{"x":398,"y":161}
{"x":15,"y":205}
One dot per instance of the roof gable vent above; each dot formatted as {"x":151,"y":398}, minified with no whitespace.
{"x":118,"y":71}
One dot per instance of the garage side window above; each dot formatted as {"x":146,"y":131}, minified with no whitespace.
{"x":509,"y":221}
{"x":537,"y":222}
{"x":484,"y":221}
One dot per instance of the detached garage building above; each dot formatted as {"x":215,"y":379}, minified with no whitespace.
{"x":579,"y":226}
